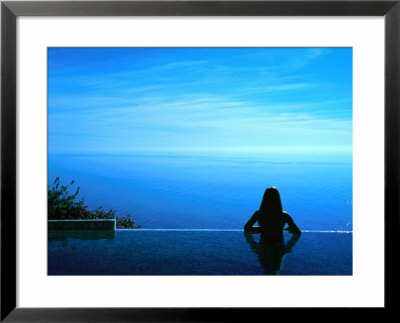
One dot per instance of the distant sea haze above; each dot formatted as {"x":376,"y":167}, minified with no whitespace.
{"x":200,"y":191}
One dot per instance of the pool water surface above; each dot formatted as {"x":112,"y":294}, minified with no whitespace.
{"x":196,"y":252}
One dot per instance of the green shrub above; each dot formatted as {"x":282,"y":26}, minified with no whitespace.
{"x":63,"y":206}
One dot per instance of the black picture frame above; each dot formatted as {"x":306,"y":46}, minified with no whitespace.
{"x":10,"y":10}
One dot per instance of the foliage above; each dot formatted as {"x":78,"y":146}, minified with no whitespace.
{"x":63,"y":206}
{"x":126,"y":222}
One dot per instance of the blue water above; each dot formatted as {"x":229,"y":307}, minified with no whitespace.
{"x":214,"y":192}
{"x":191,"y":252}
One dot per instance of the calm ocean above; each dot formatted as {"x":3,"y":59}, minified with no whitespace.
{"x":218,"y":192}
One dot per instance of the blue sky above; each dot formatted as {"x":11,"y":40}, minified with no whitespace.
{"x":208,"y":100}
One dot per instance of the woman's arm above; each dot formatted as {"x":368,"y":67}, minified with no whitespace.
{"x":292,"y":227}
{"x":249,"y":226}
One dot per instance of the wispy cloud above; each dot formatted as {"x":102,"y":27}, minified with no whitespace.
{"x":221,"y":99}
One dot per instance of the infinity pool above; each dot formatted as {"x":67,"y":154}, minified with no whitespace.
{"x":196,"y":252}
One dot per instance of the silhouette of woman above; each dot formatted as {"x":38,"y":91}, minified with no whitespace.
{"x":272,"y":219}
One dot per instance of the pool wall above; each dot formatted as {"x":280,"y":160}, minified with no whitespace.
{"x":95,"y":224}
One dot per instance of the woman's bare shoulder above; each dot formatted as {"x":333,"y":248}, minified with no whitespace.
{"x":286,"y":216}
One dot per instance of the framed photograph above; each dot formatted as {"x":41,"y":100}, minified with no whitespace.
{"x":190,"y":160}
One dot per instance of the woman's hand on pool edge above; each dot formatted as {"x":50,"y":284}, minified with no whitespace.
{"x":249,"y":226}
{"x":293,"y":230}
{"x":292,"y":227}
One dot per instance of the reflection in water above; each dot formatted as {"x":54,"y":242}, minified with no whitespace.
{"x":80,"y":234}
{"x":270,"y":254}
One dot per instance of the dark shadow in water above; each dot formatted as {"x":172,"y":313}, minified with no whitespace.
{"x":270,"y":254}
{"x":80,"y":234}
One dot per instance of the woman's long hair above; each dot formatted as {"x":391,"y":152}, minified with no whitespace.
{"x":270,"y":212}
